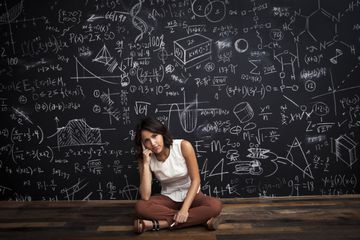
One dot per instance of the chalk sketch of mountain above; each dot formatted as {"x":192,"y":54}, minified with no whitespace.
{"x":77,"y":132}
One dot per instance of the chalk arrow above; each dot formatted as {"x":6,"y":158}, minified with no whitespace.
{"x":93,"y":18}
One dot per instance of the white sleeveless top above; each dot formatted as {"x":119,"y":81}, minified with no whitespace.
{"x":172,"y":173}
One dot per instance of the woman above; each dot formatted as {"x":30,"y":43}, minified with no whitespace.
{"x":174,"y":164}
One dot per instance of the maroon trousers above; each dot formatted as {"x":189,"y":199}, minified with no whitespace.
{"x":160,"y":207}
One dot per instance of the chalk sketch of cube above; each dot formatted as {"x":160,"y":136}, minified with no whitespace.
{"x":192,"y":50}
{"x":346,"y":150}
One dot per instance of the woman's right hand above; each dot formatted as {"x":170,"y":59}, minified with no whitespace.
{"x":146,"y":154}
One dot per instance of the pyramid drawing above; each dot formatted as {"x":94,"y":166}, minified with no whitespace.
{"x":103,"y":56}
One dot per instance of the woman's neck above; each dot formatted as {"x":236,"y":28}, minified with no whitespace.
{"x":163,"y":155}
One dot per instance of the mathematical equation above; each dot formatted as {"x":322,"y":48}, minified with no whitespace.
{"x":266,"y":92}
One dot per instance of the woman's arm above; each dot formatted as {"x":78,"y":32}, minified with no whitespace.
{"x":193,"y":170}
{"x":145,"y":175}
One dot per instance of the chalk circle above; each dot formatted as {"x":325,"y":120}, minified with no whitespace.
{"x":249,"y":126}
{"x":253,"y":145}
{"x":169,"y":68}
{"x":282,"y":75}
{"x":125,"y":81}
{"x":303,"y":108}
{"x":276,"y":34}
{"x":96,"y":109}
{"x":321,"y":109}
{"x":132,"y":72}
{"x":236,"y":130}
{"x":96,"y":93}
{"x":209,"y":67}
{"x":198,"y":9}
{"x":238,"y":45}
{"x":23,"y":99}
{"x":243,"y":112}
{"x":310,"y":85}
{"x":162,"y":54}
{"x":216,"y":8}
{"x":210,"y":11}
{"x":295,"y":88}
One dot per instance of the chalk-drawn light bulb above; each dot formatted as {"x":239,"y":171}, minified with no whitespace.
{"x":243,"y":112}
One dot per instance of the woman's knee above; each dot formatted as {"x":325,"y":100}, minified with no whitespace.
{"x":141,"y":206}
{"x":216,"y":205}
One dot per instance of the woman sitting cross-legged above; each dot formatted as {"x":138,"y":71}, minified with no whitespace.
{"x":173,"y":162}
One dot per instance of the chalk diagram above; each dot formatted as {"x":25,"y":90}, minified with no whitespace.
{"x":309,"y":25}
{"x":332,"y":91}
{"x":137,"y":22}
{"x":192,"y":50}
{"x":81,"y":72}
{"x":130,"y":192}
{"x":287,"y":58}
{"x":243,"y":112}
{"x":214,"y":11}
{"x":261,"y":157}
{"x":105,"y":58}
{"x":346,"y":150}
{"x":252,"y":167}
{"x":187,"y":113}
{"x":10,"y":17}
{"x":78,"y":133}
{"x":296,"y":156}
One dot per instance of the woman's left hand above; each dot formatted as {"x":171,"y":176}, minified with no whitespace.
{"x":181,"y":216}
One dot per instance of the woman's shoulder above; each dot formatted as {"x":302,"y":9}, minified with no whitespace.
{"x":185,"y":145}
{"x":181,"y":142}
{"x":181,"y":145}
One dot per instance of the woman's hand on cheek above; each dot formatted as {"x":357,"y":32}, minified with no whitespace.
{"x":146,"y":154}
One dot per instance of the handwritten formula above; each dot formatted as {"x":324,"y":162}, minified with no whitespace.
{"x":266,"y":91}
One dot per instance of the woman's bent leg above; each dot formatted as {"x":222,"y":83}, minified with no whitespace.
{"x":158,"y":207}
{"x":202,"y":209}
{"x":161,"y":207}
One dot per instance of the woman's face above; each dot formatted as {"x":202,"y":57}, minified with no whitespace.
{"x":152,"y":141}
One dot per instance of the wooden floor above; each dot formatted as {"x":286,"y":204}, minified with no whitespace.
{"x":310,"y":218}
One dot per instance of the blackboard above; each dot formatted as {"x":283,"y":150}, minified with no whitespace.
{"x":266,"y":91}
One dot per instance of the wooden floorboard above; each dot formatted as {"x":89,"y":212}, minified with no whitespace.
{"x":298,"y":218}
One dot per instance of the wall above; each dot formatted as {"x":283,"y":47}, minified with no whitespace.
{"x":266,"y":91}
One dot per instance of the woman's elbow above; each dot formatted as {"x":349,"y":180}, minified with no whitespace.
{"x":196,"y":181}
{"x":146,"y":198}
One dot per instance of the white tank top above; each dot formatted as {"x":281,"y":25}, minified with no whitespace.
{"x":172,"y":173}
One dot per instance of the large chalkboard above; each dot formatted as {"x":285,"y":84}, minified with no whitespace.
{"x":266,"y":91}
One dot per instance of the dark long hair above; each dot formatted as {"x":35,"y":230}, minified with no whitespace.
{"x":153,"y":125}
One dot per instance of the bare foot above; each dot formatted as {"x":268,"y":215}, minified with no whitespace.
{"x":214,"y":222}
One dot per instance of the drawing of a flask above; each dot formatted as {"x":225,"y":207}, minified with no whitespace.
{"x":243,"y":112}
{"x":188,"y":117}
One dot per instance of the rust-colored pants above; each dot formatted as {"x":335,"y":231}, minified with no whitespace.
{"x":160,"y":207}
